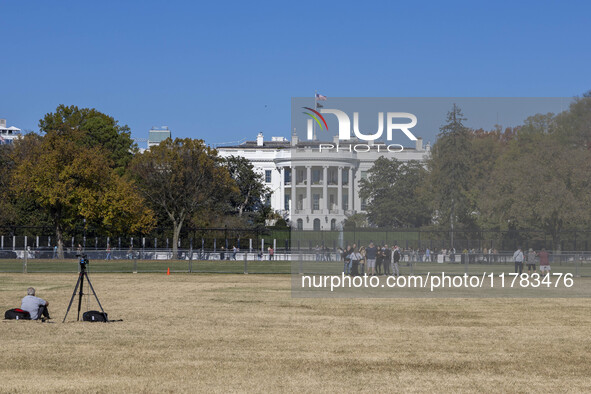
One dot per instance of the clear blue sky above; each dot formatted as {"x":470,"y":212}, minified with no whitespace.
{"x":223,"y":71}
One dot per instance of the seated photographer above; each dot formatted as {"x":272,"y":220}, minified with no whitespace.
{"x":36,"y":306}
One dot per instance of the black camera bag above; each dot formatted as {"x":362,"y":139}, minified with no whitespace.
{"x":95,"y":316}
{"x":17,"y":314}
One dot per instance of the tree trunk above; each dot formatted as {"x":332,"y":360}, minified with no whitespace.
{"x":60,"y":241}
{"x":59,"y":233}
{"x":176,"y":232}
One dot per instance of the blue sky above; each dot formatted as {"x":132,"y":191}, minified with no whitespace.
{"x":223,"y":71}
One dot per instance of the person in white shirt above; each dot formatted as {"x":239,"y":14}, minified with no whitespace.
{"x":395,"y":259}
{"x":518,"y":259}
{"x":37,"y":307}
{"x":355,"y":257}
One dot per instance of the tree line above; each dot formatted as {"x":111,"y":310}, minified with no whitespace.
{"x":535,"y":176}
{"x":83,"y":169}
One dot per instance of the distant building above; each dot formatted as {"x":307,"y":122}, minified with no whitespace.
{"x":157,"y":135}
{"x":8,"y":134}
{"x":316,"y":189}
{"x":323,"y":184}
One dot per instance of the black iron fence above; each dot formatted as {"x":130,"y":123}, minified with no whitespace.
{"x":43,"y":240}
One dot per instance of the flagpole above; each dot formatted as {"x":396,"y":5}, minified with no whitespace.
{"x":315,"y":107}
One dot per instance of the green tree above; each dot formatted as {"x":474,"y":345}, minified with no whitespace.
{"x":182,"y":177}
{"x":540,"y":184}
{"x":573,"y":127}
{"x":449,"y":169}
{"x":392,"y":190}
{"x":250,"y":184}
{"x":7,"y":208}
{"x":357,"y":220}
{"x":71,"y":182}
{"x":484,"y":150}
{"x":22,"y":210}
{"x":98,"y":130}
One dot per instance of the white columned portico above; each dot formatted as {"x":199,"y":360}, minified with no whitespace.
{"x":325,"y":188}
{"x":351,"y":190}
{"x":309,"y":187}
{"x":340,"y":189}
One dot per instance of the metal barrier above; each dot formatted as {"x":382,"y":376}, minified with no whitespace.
{"x":154,"y":260}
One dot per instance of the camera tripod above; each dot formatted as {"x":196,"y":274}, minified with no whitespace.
{"x":83,"y":274}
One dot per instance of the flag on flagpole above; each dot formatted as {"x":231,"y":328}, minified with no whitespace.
{"x":320,"y":97}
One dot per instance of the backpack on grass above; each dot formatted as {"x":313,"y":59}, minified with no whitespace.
{"x":17,"y":314}
{"x":95,"y":316}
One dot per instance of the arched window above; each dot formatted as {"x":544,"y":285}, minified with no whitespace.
{"x":316,"y":224}
{"x":333,"y":224}
{"x":300,"y":224}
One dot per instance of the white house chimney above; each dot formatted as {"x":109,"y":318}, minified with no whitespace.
{"x":294,"y":138}
{"x":260,"y":139}
{"x":3,"y":123}
{"x":419,"y":143}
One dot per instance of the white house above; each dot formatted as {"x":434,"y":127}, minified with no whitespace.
{"x":322,"y":181}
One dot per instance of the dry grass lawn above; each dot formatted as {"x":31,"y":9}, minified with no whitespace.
{"x":220,"y":333}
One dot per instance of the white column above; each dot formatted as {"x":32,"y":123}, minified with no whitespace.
{"x":281,"y":188}
{"x":340,"y":189}
{"x":325,"y":188}
{"x":309,"y":187}
{"x":351,"y":188}
{"x":293,"y":190}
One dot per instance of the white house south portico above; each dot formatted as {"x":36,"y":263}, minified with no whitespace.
{"x":318,"y":191}
{"x":316,"y":188}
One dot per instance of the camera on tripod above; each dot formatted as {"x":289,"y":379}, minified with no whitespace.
{"x":83,"y":260}
{"x":100,"y":316}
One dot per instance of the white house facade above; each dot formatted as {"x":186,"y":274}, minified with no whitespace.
{"x":313,"y":185}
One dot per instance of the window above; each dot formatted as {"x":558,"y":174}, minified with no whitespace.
{"x":268,"y":176}
{"x":363,"y":174}
{"x":300,"y":224}
{"x":287,"y":175}
{"x":331,"y":201}
{"x":315,"y":177}
{"x":333,"y":224}
{"x":315,"y":201}
{"x":286,"y":202}
{"x":345,"y":176}
{"x":332,"y":177}
{"x":346,"y":202}
{"x":316,"y":224}
{"x":364,"y":204}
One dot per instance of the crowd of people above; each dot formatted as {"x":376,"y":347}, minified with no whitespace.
{"x":371,"y":260}
{"x":530,"y":258}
